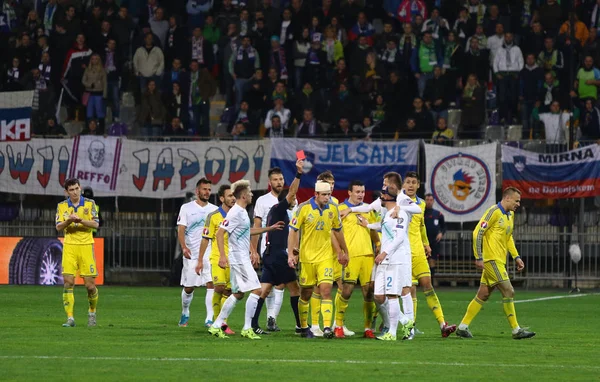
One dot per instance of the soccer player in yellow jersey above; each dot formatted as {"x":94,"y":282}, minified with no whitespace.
{"x":315,"y":299}
{"x":316,"y":219}
{"x":492,"y":239}
{"x":220,"y":276}
{"x":77,"y":216}
{"x":419,"y":244}
{"x":360,"y":247}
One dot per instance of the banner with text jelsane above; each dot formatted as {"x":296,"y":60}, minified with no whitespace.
{"x":170,"y":169}
{"x":348,"y":161}
{"x":462,"y":180}
{"x":15,"y":115}
{"x":38,"y":167}
{"x":571,"y":174}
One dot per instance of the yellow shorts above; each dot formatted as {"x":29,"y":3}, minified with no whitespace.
{"x":359,"y":268}
{"x":219,"y":275}
{"x":338,"y":270}
{"x":493,"y":273}
{"x":79,"y":258}
{"x":420,"y":268}
{"x":312,"y":274}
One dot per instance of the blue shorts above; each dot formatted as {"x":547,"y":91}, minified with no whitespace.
{"x":277,"y":273}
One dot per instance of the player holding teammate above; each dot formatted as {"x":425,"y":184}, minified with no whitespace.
{"x":275,"y":258}
{"x":316,"y":218}
{"x":261,"y":210}
{"x":78,"y":217}
{"x":190,"y":222}
{"x":492,"y":238}
{"x":419,"y":244}
{"x":393,"y":270}
{"x":243,"y":277}
{"x":210,"y":251}
{"x":360,"y":265}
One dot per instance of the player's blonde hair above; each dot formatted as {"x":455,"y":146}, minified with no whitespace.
{"x":239,"y":186}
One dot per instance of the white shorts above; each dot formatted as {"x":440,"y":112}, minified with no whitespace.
{"x":243,"y":278}
{"x":189,"y":278}
{"x":390,"y":279}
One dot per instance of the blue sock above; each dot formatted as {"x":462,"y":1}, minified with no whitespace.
{"x":261,"y":301}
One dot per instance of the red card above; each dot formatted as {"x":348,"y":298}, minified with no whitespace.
{"x":300,"y":155}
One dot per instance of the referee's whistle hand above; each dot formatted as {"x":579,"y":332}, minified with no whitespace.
{"x":277,"y":226}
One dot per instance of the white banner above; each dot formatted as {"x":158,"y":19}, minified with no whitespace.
{"x":462,"y":180}
{"x":96,"y":162}
{"x":169,"y":170}
{"x":15,"y":115}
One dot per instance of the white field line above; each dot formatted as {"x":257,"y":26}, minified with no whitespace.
{"x":300,"y":361}
{"x":557,"y":297}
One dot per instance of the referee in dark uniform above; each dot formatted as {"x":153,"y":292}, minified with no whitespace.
{"x":276,"y":270}
{"x":436,"y":229}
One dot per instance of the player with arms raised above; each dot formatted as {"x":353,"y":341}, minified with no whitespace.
{"x":492,"y":239}
{"x":243,"y":277}
{"x":220,"y":276}
{"x":78,"y":217}
{"x":190,"y":223}
{"x":316,"y":219}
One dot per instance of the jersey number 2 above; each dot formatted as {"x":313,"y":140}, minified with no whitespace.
{"x":320,"y":225}
{"x":389,"y":282}
{"x":328,"y":272}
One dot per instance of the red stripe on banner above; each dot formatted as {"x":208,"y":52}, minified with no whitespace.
{"x":113,"y":181}
{"x":74,"y":154}
{"x":555,"y":190}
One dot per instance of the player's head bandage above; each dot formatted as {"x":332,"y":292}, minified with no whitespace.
{"x":321,"y":186}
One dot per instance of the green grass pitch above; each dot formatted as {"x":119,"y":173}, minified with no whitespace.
{"x":137,"y":338}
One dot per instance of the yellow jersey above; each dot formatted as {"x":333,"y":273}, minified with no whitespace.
{"x":316,"y":225}
{"x":492,"y":238}
{"x":77,"y":233}
{"x":417,"y":233}
{"x":335,"y":200}
{"x":358,"y":237}
{"x":211,"y":226}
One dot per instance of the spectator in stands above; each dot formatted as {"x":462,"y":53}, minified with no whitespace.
{"x":257,"y":98}
{"x":271,"y":16}
{"x":94,"y":81}
{"x":202,"y":87}
{"x":422,"y":118}
{"x":409,"y":9}
{"x":285,"y":115}
{"x":51,"y":128}
{"x":508,"y":63}
{"x":495,"y":42}
{"x":244,"y":22}
{"x":210,"y":31}
{"x":242,"y":66}
{"x":480,"y":36}
{"x":534,"y":40}
{"x":531,"y":80}
{"x":122,"y":27}
{"x":424,"y":59}
{"x":26,"y":51}
{"x":442,"y":134}
{"x":148,"y":11}
{"x":175,"y":103}
{"x":148,"y":62}
{"x":301,"y":47}
{"x":358,"y":59}
{"x":581,"y":31}
{"x":152,"y":112}
{"x":307,"y":99}
{"x":250,"y":118}
{"x":261,"y":40}
{"x":175,"y":128}
{"x":274,"y":126}
{"x":45,"y":67}
{"x":377,"y":113}
{"x":228,"y":46}
{"x":592,"y":47}
{"x":49,"y":11}
{"x":476,"y":62}
{"x":113,"y":65}
{"x":437,"y":25}
{"x":200,"y":50}
{"x":438,"y":94}
{"x":315,"y":69}
{"x":390,"y":56}
{"x":315,"y":27}
{"x":345,"y":130}
{"x":333,"y":47}
{"x":473,"y":108}
{"x":159,"y":25}
{"x":197,"y":10}
{"x":589,"y":124}
{"x":464,"y":25}
{"x":74,"y":66}
{"x":587,"y":82}
{"x":309,"y":127}
{"x":176,"y":74}
{"x":550,"y":58}
{"x":372,"y":78}
{"x":14,"y":76}
{"x":340,"y":32}
{"x":417,"y":25}
{"x":397,"y":101}
{"x":340,"y":74}
{"x":556,"y":127}
{"x":408,"y":131}
{"x":491,"y":20}
{"x":277,"y":58}
{"x":70,"y":22}
{"x":43,"y":96}
{"x":346,"y":105}
{"x":549,"y":92}
{"x":91,"y":128}
{"x":551,"y":17}
{"x":362,"y":28}
{"x":238,"y":131}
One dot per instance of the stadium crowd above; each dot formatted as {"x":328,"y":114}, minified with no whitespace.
{"x":350,"y":69}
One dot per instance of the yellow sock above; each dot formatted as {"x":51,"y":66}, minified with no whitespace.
{"x":415,"y":307}
{"x":509,"y":310}
{"x":435,"y":306}
{"x":327,"y":312}
{"x":216,"y":304}
{"x":368,"y":311}
{"x":68,"y":301}
{"x":93,"y":301}
{"x":474,"y":308}
{"x":315,"y":308}
{"x":303,"y":311}
{"x":341,"y":305}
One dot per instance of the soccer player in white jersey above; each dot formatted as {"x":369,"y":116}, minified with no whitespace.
{"x":393,"y":273}
{"x":243,"y":276}
{"x":190,"y":224}
{"x":261,"y":210}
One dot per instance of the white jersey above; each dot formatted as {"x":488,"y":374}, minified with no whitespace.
{"x":394,"y":238}
{"x":261,"y":210}
{"x":402,"y":200}
{"x":193,"y":216}
{"x":237,"y":225}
